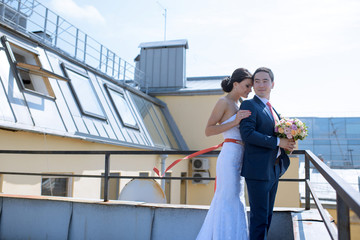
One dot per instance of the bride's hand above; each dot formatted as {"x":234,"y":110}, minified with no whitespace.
{"x":241,"y":114}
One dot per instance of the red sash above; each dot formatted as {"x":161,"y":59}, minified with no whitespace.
{"x":197,"y":154}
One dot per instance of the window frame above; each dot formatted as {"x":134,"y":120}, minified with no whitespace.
{"x":160,"y":129}
{"x":66,"y":67}
{"x":36,"y":70}
{"x":69,"y":184}
{"x":122,"y":93}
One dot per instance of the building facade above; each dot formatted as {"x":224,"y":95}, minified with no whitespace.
{"x":83,"y":97}
{"x":335,"y":140}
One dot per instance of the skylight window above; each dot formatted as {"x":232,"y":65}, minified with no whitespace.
{"x":155,"y":122}
{"x":122,"y":107}
{"x":84,"y":92}
{"x":28,"y":70}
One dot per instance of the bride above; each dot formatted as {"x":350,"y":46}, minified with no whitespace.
{"x":226,"y":218}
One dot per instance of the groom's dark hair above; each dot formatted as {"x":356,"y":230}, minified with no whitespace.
{"x":264,"y":69}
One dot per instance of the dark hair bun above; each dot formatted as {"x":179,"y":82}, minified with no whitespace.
{"x":226,"y":84}
{"x":238,"y":76}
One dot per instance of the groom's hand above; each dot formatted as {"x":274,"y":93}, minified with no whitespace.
{"x":287,"y":144}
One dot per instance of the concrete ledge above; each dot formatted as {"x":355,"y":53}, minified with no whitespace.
{"x":34,"y":219}
{"x":41,"y":217}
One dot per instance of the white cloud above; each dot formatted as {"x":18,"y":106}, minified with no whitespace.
{"x":68,"y":9}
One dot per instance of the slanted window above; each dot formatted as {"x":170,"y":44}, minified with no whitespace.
{"x":84,"y":92}
{"x":28,"y":70}
{"x":122,"y":107}
{"x":56,"y":186}
{"x":155,"y":122}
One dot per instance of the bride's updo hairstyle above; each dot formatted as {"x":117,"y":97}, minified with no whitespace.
{"x":237,"y":76}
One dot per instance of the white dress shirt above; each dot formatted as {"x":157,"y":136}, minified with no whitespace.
{"x":265,"y":101}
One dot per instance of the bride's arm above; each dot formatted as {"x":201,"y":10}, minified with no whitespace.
{"x":214,"y":127}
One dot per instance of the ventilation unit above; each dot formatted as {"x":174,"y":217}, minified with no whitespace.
{"x":200,"y":175}
{"x":200,"y":164}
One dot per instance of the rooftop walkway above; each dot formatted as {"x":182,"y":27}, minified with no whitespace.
{"x":34,"y":217}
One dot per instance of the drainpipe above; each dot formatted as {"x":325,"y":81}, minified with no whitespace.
{"x":163,"y":159}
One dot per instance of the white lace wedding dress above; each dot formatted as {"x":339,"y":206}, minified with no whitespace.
{"x":226,"y":218}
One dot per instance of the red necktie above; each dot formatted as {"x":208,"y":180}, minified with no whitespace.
{"x":272,"y":112}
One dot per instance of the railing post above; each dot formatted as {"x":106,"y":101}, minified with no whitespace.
{"x":307,"y":177}
{"x":113,"y":65}
{"x":107,"y":60}
{"x":118,"y":77}
{"x":100,"y":60}
{"x":343,"y":220}
{"x":76,"y":42}
{"x":57,"y":29}
{"x":124,"y":71}
{"x":85,"y":45}
{"x":17,"y":15}
{"x":106,"y":177}
{"x":45,"y":24}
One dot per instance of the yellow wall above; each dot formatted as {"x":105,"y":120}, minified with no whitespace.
{"x":191,"y":114}
{"x":76,"y":164}
{"x":354,"y":223}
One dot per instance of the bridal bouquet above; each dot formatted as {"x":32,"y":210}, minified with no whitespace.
{"x":291,"y":129}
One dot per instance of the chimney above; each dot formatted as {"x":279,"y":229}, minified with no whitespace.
{"x":164,"y":64}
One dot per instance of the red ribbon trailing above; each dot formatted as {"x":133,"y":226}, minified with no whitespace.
{"x":197,"y":154}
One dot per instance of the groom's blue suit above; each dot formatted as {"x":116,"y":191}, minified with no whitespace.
{"x":261,"y":166}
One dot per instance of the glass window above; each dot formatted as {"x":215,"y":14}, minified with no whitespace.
{"x":323,"y":150}
{"x":143,"y":174}
{"x":143,"y":107}
{"x":354,"y":142}
{"x":155,"y":122}
{"x":122,"y":108}
{"x":56,"y":186}
{"x":303,"y":146}
{"x":322,"y":141}
{"x":353,"y":127}
{"x":320,"y":128}
{"x":114,"y":186}
{"x":84,"y":93}
{"x":166,"y":126}
{"x":337,"y":127}
{"x":28,"y":70}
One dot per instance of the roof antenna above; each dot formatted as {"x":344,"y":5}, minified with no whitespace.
{"x":164,"y":14}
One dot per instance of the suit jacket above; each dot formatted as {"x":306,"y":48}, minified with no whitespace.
{"x":257,"y":131}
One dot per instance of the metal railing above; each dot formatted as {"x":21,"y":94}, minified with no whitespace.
{"x":43,"y":25}
{"x":347,"y":196}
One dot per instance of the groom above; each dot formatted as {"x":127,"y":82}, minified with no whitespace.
{"x":264,"y":157}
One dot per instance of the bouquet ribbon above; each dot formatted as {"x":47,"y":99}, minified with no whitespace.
{"x":197,"y":154}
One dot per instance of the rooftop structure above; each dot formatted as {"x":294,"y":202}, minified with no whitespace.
{"x":60,"y":89}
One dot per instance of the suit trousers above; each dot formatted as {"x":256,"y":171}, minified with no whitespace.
{"x":262,"y":198}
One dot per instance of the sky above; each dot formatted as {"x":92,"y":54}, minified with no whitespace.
{"x":312,"y":46}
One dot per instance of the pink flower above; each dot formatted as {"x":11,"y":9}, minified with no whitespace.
{"x":289,"y":136}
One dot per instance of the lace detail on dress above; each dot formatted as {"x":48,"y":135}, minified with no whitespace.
{"x":226,"y":218}
{"x":233,"y":132}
